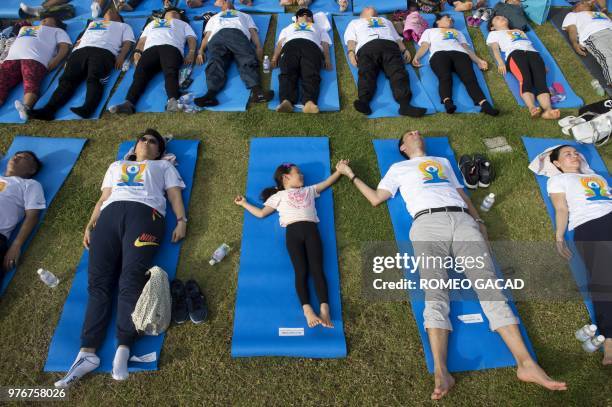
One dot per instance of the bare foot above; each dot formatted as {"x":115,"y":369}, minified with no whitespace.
{"x":325,"y":316}
{"x":444,"y":382}
{"x":219,"y":3}
{"x":310,"y":108}
{"x":312,"y":318}
{"x":552,"y":114}
{"x":285,"y":107}
{"x":607,"y":360}
{"x":535,"y":112}
{"x":531,"y":372}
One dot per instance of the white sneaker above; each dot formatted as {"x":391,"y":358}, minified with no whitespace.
{"x":95,"y":9}
{"x":22,"y":109}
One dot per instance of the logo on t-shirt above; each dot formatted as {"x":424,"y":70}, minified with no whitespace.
{"x":99,"y":26}
{"x":30,"y":31}
{"x":298,"y":198}
{"x":3,"y":185}
{"x":595,"y":189}
{"x":433,"y":172}
{"x":599,"y":16}
{"x":517,"y":35}
{"x":449,"y":34}
{"x":162,"y":23}
{"x":229,"y":14}
{"x":303,"y":27}
{"x":132,"y":175}
{"x":376,"y":22}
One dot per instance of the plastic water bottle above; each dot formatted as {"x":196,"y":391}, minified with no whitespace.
{"x":184,"y":73}
{"x":48,"y":278}
{"x":266,"y":64}
{"x":219,"y":254}
{"x":597,"y":87}
{"x":487,"y":203}
{"x":593,"y":344}
{"x":126,"y":65}
{"x":586,"y":332}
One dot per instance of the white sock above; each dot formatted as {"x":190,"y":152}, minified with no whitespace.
{"x":120,"y":363}
{"x":30,"y":10}
{"x":22,"y":110}
{"x":84,"y":363}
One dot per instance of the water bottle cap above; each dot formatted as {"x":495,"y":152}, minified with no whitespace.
{"x":211,"y":262}
{"x":40,"y":271}
{"x":593,"y":327}
{"x":601,"y":338}
{"x":491,"y":195}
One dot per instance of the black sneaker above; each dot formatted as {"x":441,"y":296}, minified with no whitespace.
{"x":485,"y":170}
{"x":196,"y":304}
{"x":259,"y":95}
{"x":179,"y":302}
{"x":469,"y":170}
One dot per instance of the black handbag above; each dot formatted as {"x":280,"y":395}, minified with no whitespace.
{"x":601,"y":107}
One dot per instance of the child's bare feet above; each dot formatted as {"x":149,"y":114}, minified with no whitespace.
{"x":325,"y":316}
{"x":444,"y":382}
{"x":462,"y":6}
{"x":535,"y":112}
{"x":607,"y":359}
{"x":531,"y":372}
{"x":552,"y":114}
{"x":312,"y":318}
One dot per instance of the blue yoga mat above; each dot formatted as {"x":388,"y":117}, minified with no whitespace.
{"x":553,"y":74}
{"x":329,"y":100}
{"x":330,"y":7}
{"x":471,"y":346}
{"x":65,"y":343}
{"x":8,"y":113}
{"x":383,"y":104}
{"x":559,"y":3}
{"x":267,"y":306}
{"x":382,"y":6}
{"x":261,"y":6}
{"x":78,"y":99}
{"x":58,"y":156}
{"x":235,"y":96}
{"x":430,"y":81}
{"x":10,"y":8}
{"x":535,"y":146}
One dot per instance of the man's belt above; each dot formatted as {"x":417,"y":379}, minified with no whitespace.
{"x":442,"y":209}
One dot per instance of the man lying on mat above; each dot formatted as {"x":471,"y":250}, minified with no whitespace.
{"x":123,"y":235}
{"x":231,"y":35}
{"x":591,"y":30}
{"x":103,"y":46}
{"x":21,"y":198}
{"x":374,"y":45}
{"x":446,"y":223}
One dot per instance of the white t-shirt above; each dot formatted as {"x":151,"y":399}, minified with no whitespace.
{"x":308,"y":31}
{"x":145,"y":182}
{"x":443,"y":39}
{"x":38,"y":43}
{"x":424,"y":182}
{"x":109,"y":35}
{"x":230,"y":19}
{"x":295,"y":205}
{"x":587,"y":23}
{"x":16,"y":196}
{"x":510,"y":40}
{"x":364,"y":30}
{"x":588,"y":196}
{"x":171,"y":31}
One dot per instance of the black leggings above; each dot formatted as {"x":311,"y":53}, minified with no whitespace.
{"x":306,"y":252}
{"x":528,"y":68}
{"x":300,"y":64}
{"x":594,"y":242}
{"x":123,"y":243}
{"x":444,"y":63}
{"x":166,"y":58}
{"x":3,"y":249}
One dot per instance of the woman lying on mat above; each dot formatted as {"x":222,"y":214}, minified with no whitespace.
{"x":36,"y":51}
{"x":295,"y":204}
{"x":450,"y":52}
{"x":583,"y":203}
{"x":125,"y":230}
{"x":342,"y":4}
{"x":525,"y":63}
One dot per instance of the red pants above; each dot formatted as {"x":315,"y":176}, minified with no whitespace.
{"x":12,"y":72}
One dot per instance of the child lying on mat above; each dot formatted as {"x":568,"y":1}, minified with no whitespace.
{"x":295,"y":204}
{"x":342,"y":4}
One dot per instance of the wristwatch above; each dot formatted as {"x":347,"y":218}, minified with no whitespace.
{"x":478,"y":220}
{"x":181,"y":219}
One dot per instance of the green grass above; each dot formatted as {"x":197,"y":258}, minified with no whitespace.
{"x":385,"y":363}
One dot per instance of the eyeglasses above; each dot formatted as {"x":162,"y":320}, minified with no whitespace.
{"x":146,"y":139}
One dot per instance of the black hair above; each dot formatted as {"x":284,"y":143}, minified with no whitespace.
{"x":161,"y":143}
{"x":281,"y":170}
{"x":439,"y":17}
{"x":181,"y":13}
{"x":304,"y":12}
{"x":58,"y":22}
{"x":399,"y":146}
{"x":35,"y":158}
{"x":554,"y":154}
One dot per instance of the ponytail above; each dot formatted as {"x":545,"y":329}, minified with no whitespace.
{"x":281,"y":170}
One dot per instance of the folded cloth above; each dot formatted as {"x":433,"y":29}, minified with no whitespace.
{"x":414,"y":26}
{"x":541,"y":165}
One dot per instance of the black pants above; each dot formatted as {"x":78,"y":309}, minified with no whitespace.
{"x":92,"y":64}
{"x":165,"y":58}
{"x":382,"y":55}
{"x":306,"y":253}
{"x":528,"y":68}
{"x":227,"y":45}
{"x":594,"y":242}
{"x":3,"y":249}
{"x":444,"y":63}
{"x":300,"y":64}
{"x":123,"y":243}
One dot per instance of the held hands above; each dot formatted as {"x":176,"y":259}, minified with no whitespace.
{"x":11,"y":258}
{"x":343,"y":168}
{"x":580,"y":50}
{"x":240,"y":200}
{"x":179,"y":232}
{"x":406,"y":56}
{"x":201,"y":58}
{"x":483,"y":65}
{"x":563,"y":250}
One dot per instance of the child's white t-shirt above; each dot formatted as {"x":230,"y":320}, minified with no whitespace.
{"x":295,"y":205}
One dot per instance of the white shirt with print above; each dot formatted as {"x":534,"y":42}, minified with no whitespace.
{"x":587,"y":23}
{"x":38,"y":43}
{"x":588,"y":196}
{"x":16,"y":196}
{"x":443,"y":39}
{"x":307,"y":31}
{"x":109,"y":35}
{"x":295,"y":205}
{"x":364,"y":30}
{"x":424,"y":182}
{"x":170,"y":31}
{"x":230,"y":19}
{"x":510,"y":40}
{"x":145,"y":182}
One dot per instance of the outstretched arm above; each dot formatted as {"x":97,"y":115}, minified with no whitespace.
{"x":175,"y":196}
{"x":419,"y":54}
{"x":11,"y":258}
{"x":375,"y":197}
{"x":254,"y":210}
{"x":332,"y":179}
